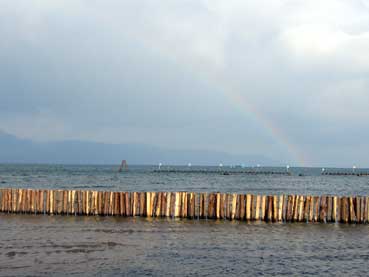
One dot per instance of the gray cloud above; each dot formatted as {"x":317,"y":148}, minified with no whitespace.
{"x":250,"y":77}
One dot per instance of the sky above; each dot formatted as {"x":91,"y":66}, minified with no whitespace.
{"x":284,"y":79}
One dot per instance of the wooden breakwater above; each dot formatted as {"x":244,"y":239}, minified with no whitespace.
{"x":359,"y":174}
{"x":221,"y":171}
{"x":247,"y":207}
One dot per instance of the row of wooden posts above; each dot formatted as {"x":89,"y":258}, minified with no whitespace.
{"x":274,"y":208}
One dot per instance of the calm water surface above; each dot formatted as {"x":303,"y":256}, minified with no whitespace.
{"x":41,"y":245}
{"x":143,"y":178}
{"x":111,"y":246}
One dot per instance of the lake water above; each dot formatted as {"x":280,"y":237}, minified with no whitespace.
{"x":37,"y":245}
{"x":143,"y":178}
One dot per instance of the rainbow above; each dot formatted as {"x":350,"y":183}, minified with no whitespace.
{"x":275,"y":132}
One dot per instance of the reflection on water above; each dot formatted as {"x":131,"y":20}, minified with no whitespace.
{"x":40,"y":245}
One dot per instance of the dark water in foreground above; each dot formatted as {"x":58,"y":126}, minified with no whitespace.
{"x":41,"y":245}
{"x":56,"y":245}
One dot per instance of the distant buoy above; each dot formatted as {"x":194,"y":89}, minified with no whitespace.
{"x":123,"y":166}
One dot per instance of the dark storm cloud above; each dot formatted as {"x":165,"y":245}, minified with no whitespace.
{"x":192,"y":74}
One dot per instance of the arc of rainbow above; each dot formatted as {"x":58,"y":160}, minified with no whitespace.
{"x":273,"y":130}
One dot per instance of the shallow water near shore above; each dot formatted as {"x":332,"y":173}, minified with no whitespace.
{"x":40,"y":245}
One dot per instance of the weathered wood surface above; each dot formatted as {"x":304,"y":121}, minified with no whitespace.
{"x":220,"y":206}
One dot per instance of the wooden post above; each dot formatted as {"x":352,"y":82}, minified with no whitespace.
{"x":234,"y":206}
{"x":248,"y":207}
{"x":329,"y":208}
{"x":211,"y":205}
{"x":316,"y":210}
{"x":284,"y":208}
{"x":148,"y":204}
{"x":142,"y":204}
{"x":96,"y":202}
{"x":301,"y":208}
{"x":100,"y":202}
{"x":122,"y":204}
{"x":65,"y":202}
{"x":334,"y":209}
{"x":177,"y":204}
{"x":362,"y":208}
{"x":163,"y":205}
{"x":338,"y":214}
{"x":228,"y":204}
{"x":172,"y":204}
{"x":263,"y":205}
{"x":289,"y":209}
{"x":52,"y":204}
{"x":184,"y":204}
{"x":201,"y":209}
{"x":257,"y":207}
{"x":47,"y":202}
{"x":197,"y":205}
{"x":168,"y":206}
{"x":69,"y":211}
{"x":344,"y":210}
{"x":111,"y":203}
{"x":366,"y":210}
{"x":358,"y":208}
{"x":307,"y":208}
{"x":106,"y":203}
{"x":194,"y":200}
{"x":280,"y":207}
{"x":352,"y":210}
{"x":128,"y":203}
{"x":275,"y":208}
{"x":296,"y":208}
{"x":36,"y":201}
{"x":91,"y":202}
{"x":5,"y":200}
{"x":2,"y":208}
{"x":242,"y":207}
{"x":222,"y":205}
{"x":154,"y":203}
{"x":32,"y":210}
{"x":14,"y":200}
{"x":270,"y":208}
{"x":323,"y":209}
{"x":19,"y":204}
{"x":158,"y":204}
{"x":217,"y":207}
{"x":23,"y":199}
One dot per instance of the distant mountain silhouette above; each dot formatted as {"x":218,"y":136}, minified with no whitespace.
{"x":16,"y":150}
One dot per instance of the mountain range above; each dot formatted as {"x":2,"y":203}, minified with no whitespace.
{"x":17,"y":150}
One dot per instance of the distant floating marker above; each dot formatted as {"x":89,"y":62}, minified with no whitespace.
{"x":189,"y":164}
